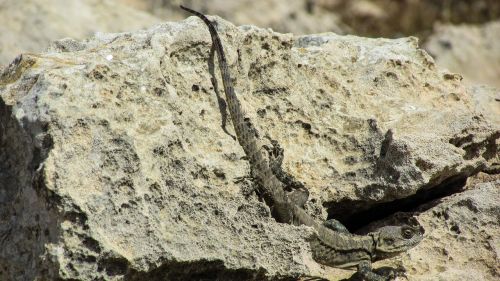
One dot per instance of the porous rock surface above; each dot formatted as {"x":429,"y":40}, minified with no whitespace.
{"x":114,"y":165}
{"x":462,"y":235}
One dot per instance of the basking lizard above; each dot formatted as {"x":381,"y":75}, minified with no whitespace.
{"x":333,"y":245}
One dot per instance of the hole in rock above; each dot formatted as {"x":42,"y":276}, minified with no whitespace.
{"x":354,"y":215}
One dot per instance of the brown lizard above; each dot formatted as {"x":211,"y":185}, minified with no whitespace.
{"x":333,"y":245}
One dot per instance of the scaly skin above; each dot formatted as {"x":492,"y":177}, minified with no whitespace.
{"x":333,"y":246}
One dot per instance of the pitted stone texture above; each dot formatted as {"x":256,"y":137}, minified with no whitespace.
{"x":463,"y":235}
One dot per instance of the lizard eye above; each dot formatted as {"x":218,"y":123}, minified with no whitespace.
{"x":407,"y":233}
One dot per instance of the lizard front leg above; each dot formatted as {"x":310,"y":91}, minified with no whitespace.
{"x":366,"y":272}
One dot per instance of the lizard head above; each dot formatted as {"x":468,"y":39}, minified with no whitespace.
{"x":392,"y":240}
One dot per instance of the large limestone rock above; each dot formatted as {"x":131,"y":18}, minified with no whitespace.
{"x":114,"y":165}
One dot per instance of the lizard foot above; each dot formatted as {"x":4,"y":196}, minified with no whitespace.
{"x":391,"y":273}
{"x":335,"y":225}
{"x":365,"y":273}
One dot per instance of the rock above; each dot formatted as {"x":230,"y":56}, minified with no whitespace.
{"x":297,"y":16}
{"x":114,"y":164}
{"x":471,"y":50}
{"x":30,"y":26}
{"x":461,"y":239}
{"x":463,"y":235}
{"x":487,"y":101}
{"x":389,"y":18}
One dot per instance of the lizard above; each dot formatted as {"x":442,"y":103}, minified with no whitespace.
{"x":332,"y":244}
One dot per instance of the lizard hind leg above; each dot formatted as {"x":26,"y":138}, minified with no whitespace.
{"x":297,"y":192}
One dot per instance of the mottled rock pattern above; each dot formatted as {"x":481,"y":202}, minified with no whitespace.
{"x":461,"y":240}
{"x":463,"y":237}
{"x":114,"y":165}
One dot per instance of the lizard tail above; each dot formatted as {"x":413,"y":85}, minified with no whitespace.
{"x":274,"y":191}
{"x":245,"y":134}
{"x":235,"y":108}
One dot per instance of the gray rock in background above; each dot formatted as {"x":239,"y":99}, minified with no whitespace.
{"x":389,"y":18}
{"x":296,"y":16}
{"x":471,"y":50}
{"x":114,"y":165}
{"x":30,"y":26}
